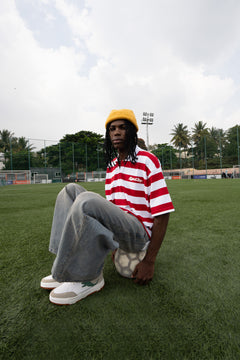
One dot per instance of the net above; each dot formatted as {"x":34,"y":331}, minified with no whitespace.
{"x":40,"y":178}
{"x":15,"y":177}
{"x":236,"y":171}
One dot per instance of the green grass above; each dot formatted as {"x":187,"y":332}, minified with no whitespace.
{"x":189,"y":311}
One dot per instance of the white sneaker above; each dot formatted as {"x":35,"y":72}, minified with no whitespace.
{"x":70,"y":292}
{"x":49,"y":283}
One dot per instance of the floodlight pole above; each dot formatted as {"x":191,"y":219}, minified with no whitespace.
{"x":147,"y":120}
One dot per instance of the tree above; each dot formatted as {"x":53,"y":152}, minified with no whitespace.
{"x":232,"y":145}
{"x":78,"y":152}
{"x":6,"y":140}
{"x":141,"y":144}
{"x":86,"y":147}
{"x":166,"y":154}
{"x":7,"y":143}
{"x":18,"y":156}
{"x":181,"y":138}
{"x":86,"y":137}
{"x":215,"y":143}
{"x":16,"y":151}
{"x":198,"y":132}
{"x":214,"y":134}
{"x":22,"y":144}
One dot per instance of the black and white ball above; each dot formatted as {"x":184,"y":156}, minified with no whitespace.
{"x":125,"y":262}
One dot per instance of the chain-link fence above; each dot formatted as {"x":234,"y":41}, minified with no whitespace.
{"x":84,"y":161}
{"x":63,"y":158}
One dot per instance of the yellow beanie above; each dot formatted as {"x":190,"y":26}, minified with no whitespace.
{"x":122,"y":114}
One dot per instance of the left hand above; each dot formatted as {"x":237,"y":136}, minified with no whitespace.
{"x":143,"y":272}
{"x":113,"y":254}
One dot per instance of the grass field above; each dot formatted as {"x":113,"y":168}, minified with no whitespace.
{"x":189,"y":311}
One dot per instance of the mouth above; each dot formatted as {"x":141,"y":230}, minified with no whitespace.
{"x":117,"y":141}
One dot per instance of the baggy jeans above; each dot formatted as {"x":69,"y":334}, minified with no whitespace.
{"x":85,"y":228}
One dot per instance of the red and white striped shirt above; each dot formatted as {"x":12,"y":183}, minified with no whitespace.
{"x":139,"y":188}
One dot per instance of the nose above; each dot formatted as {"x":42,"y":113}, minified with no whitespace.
{"x":116,"y":131}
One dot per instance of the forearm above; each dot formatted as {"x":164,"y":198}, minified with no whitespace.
{"x":158,"y":232}
{"x":144,"y":271}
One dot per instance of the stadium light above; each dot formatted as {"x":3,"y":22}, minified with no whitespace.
{"x":147,"y":120}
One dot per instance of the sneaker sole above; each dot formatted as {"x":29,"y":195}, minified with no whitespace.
{"x":49,"y":287}
{"x":73,"y":300}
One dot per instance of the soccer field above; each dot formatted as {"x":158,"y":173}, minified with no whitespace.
{"x":189,"y":311}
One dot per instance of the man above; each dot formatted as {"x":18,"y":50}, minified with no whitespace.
{"x":134,"y":216}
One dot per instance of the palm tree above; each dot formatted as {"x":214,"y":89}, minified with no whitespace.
{"x":218,"y":136}
{"x":181,"y":139}
{"x":198,"y":132}
{"x":5,"y":140}
{"x":214,"y":134}
{"x":23,"y":144}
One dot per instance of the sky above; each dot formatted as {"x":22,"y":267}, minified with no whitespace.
{"x":65,"y":64}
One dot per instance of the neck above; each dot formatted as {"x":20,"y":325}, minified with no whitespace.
{"x":122,"y":155}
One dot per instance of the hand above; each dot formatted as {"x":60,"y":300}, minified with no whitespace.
{"x":113,"y":255}
{"x":143,"y":272}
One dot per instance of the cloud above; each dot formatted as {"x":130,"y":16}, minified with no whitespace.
{"x":170,"y":58}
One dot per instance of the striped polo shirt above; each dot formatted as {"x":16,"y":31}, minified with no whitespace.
{"x":139,"y":188}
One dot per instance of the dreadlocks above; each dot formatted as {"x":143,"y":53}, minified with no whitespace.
{"x":131,"y":140}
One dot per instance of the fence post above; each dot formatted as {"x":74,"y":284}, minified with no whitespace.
{"x":98,"y":157}
{"x":29,"y":163}
{"x":162,"y":160}
{"x":205,"y":151}
{"x":45,"y":156}
{"x":73,"y":157}
{"x":86,"y":157}
{"x":220,"y":150}
{"x":11,"y":160}
{"x":193,"y":161}
{"x":60,"y":159}
{"x":170,"y":159}
{"x":180,"y":157}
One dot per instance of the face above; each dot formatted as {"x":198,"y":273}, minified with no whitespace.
{"x":117,"y":133}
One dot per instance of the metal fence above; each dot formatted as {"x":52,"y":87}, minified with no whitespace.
{"x":66,"y":159}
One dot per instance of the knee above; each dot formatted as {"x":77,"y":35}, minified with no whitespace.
{"x":88,"y":202}
{"x":70,"y":188}
{"x":73,"y":190}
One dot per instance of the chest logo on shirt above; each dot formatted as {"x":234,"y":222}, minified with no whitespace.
{"x":135,"y":179}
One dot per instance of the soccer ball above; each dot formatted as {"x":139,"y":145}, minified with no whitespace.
{"x":125,"y":262}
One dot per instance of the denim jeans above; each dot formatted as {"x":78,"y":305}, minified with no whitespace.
{"x":85,"y":228}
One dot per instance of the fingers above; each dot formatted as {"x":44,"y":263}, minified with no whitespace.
{"x":113,"y":255}
{"x":141,"y":275}
{"x":138,"y":280}
{"x":142,"y":281}
{"x":134,"y":273}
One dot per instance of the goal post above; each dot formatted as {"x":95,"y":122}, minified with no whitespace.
{"x":173,"y":174}
{"x":40,"y":178}
{"x":236,"y":171}
{"x":15,"y":177}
